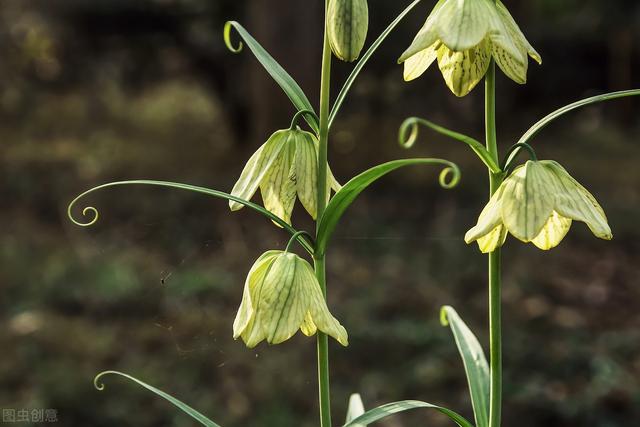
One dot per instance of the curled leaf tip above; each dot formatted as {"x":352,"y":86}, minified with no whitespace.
{"x":97,"y":381}
{"x":444,"y":319}
{"x":228,"y":26}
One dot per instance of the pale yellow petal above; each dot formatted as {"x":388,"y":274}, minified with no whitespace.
{"x":426,"y":36}
{"x":528,"y":201}
{"x":462,"y":71}
{"x":463,"y":24}
{"x":278,"y":187}
{"x":257,"y":168}
{"x":417,"y":64}
{"x":493,"y":240}
{"x":308,"y":327}
{"x":489,"y":218}
{"x":306,"y":172}
{"x":282,"y":304}
{"x":553,"y":232}
{"x":248,"y":319}
{"x":516,"y":33}
{"x":320,"y":314}
{"x":513,"y":66}
{"x":576,"y":202}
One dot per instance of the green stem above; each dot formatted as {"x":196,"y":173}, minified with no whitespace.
{"x":495,"y":326}
{"x":323,"y":342}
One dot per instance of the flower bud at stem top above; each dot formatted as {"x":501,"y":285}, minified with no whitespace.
{"x":347,"y":26}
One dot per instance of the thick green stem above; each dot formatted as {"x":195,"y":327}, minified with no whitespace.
{"x":495,"y":322}
{"x":323,"y":342}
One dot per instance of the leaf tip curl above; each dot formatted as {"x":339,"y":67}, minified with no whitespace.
{"x":444,"y":317}
{"x":228,"y":26}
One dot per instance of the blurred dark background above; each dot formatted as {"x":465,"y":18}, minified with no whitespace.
{"x":103,"y":90}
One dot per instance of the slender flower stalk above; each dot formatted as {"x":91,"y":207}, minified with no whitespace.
{"x":319,"y":260}
{"x":495,"y":298}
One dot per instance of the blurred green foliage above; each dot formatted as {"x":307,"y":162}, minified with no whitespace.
{"x":104,"y":90}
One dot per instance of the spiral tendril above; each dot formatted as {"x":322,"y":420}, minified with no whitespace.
{"x":411,"y":127}
{"x":97,"y":381}
{"x":187,"y":187}
{"x":450,"y":176}
{"x":85,"y":212}
{"x":228,"y":26}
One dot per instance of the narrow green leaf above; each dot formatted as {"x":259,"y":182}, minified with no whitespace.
{"x":536,"y":128}
{"x":409,"y":130}
{"x":275,"y":70}
{"x":389,"y":409}
{"x":182,"y":406}
{"x":475,"y":364}
{"x":355,"y":409}
{"x":363,"y":61}
{"x":343,"y":198}
{"x":203,"y":190}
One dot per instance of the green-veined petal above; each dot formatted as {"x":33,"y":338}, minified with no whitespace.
{"x":306,"y":170}
{"x":577,"y":203}
{"x":526,"y":204}
{"x":320,"y":314}
{"x":463,"y":24}
{"x":256,"y":168}
{"x":553,"y":232}
{"x":282,"y":303}
{"x":417,"y":64}
{"x":516,"y":33}
{"x":278,"y":187}
{"x":462,"y":71}
{"x":493,"y":240}
{"x":490,"y":218}
{"x":254,"y":278}
{"x":426,"y":37}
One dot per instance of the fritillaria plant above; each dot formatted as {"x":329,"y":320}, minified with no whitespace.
{"x":535,"y":202}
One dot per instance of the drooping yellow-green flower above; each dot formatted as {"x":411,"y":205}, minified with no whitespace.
{"x":282,"y":295}
{"x":284,"y":167}
{"x":537,"y":204}
{"x":463,"y":36}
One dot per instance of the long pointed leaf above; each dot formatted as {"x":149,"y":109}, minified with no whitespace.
{"x":203,"y":190}
{"x":275,"y":70}
{"x":182,"y":406}
{"x":389,"y":409}
{"x":475,"y":364}
{"x":343,"y":198}
{"x":363,"y":61}
{"x":536,"y":128}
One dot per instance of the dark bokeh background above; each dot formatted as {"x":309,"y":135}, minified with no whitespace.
{"x":103,"y":90}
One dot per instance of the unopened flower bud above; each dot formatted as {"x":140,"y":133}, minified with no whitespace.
{"x":347,"y":26}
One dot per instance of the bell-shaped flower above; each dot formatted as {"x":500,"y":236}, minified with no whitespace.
{"x":284,"y":167}
{"x":282,"y":295}
{"x":537,"y":204}
{"x":463,"y":36}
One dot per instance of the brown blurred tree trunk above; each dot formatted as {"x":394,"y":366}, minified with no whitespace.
{"x":290,"y":30}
